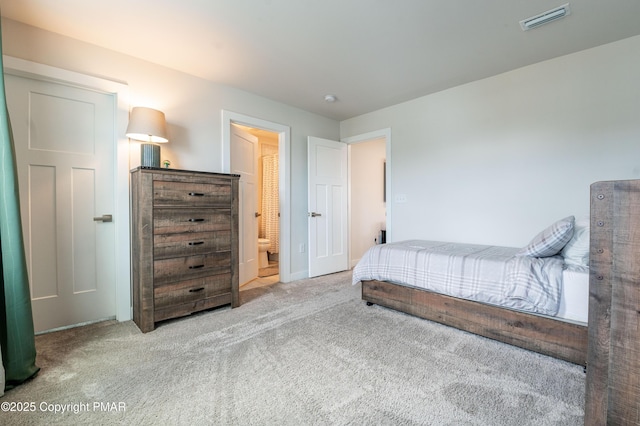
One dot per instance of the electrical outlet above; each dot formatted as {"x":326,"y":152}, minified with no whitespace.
{"x":301,"y":247}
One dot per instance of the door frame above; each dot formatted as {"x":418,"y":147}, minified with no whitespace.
{"x":120,"y":91}
{"x":365,"y":137}
{"x":284,"y":176}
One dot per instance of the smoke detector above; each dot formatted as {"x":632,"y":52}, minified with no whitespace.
{"x":545,"y":17}
{"x":330,"y":98}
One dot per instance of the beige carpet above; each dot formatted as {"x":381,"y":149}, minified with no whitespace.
{"x":308,"y":352}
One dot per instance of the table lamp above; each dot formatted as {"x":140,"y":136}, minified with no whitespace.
{"x":148,"y":125}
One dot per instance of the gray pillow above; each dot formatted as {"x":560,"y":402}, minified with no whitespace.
{"x":576,"y":252}
{"x":550,"y":241}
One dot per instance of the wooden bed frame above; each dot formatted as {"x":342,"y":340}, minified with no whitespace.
{"x":613,"y":379}
{"x":557,"y":338}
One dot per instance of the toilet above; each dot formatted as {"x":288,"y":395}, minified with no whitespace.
{"x":263,"y":259}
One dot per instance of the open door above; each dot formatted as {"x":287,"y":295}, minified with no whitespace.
{"x":327,"y":221}
{"x":244,"y":162}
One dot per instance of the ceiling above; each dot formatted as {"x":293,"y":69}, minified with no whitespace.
{"x":370,"y":54}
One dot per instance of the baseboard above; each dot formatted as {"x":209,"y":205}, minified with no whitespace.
{"x":300,"y":275}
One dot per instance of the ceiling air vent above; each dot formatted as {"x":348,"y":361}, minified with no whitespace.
{"x":545,"y":17}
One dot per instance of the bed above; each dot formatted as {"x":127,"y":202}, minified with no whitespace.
{"x":534,"y":297}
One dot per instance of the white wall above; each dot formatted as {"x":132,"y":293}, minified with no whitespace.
{"x":492,"y":161}
{"x":366,"y":174}
{"x":497,"y":160}
{"x":192,"y":106}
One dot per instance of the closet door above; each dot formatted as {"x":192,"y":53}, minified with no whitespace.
{"x":65,"y":146}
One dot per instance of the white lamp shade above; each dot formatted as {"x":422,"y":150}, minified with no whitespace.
{"x":147,"y":124}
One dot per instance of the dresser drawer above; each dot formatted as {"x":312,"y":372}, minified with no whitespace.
{"x":184,"y":297}
{"x":176,"y":221}
{"x":191,"y":290}
{"x":191,"y":194}
{"x":189,"y":244}
{"x":181,"y":309}
{"x":191,"y":267}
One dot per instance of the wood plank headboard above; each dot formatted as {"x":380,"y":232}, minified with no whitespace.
{"x":613,"y":360}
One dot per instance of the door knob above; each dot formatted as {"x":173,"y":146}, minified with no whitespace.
{"x":103,"y":218}
{"x":258,"y":214}
{"x":314,"y":214}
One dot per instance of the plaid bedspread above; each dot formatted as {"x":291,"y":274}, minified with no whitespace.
{"x":488,"y":274}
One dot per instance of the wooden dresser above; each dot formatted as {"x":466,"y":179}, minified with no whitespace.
{"x":613,"y":363}
{"x":184,"y":236}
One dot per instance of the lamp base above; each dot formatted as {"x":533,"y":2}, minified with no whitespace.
{"x":149,"y":155}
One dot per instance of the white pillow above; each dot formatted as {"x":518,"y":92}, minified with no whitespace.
{"x":576,"y":252}
{"x":551,"y":240}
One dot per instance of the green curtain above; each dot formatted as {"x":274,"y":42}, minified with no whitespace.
{"x":17,"y":340}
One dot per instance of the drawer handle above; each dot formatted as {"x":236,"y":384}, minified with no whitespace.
{"x":196,"y":194}
{"x":196,"y":243}
{"x":195,"y":290}
{"x":196,"y":266}
{"x":196,"y":220}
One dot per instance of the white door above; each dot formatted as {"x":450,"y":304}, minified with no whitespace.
{"x":328,"y":230}
{"x":244,"y":162}
{"x":65,"y":145}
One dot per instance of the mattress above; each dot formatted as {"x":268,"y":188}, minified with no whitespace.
{"x":574,"y":299}
{"x":488,"y":274}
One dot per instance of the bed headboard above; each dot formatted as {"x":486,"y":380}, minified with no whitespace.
{"x":613,"y":360}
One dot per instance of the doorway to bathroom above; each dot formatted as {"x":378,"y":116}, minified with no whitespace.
{"x":267,"y":201}
{"x":255,"y":156}
{"x":230,"y":120}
